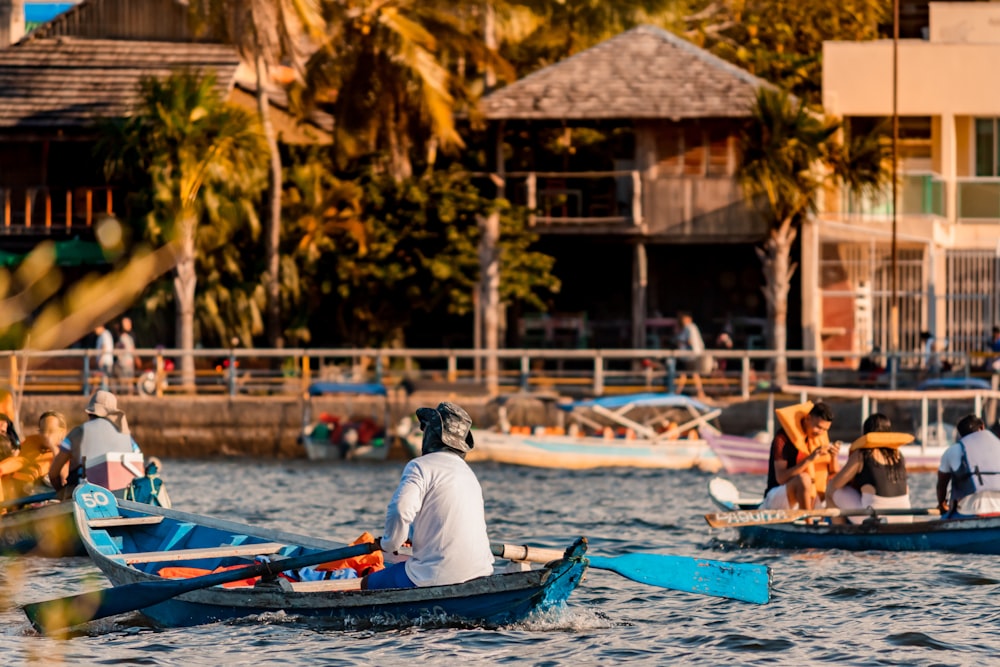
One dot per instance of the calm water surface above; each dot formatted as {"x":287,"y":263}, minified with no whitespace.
{"x":836,"y":607}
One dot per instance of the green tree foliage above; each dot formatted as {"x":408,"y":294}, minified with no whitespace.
{"x":203,"y":162}
{"x":267,"y":33}
{"x":389,"y":70}
{"x":536,"y":33}
{"x":416,"y":253}
{"x":787,"y":155}
{"x":781,"y":41}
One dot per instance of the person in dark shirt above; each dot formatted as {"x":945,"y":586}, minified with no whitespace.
{"x":802,"y":458}
{"x":875,"y":473}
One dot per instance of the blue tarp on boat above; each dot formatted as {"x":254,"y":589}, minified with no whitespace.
{"x":369,"y":388}
{"x":644,"y":400}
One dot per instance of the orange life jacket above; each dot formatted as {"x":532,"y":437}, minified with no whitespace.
{"x":791,"y":419}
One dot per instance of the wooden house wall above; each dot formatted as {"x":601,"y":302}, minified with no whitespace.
{"x":151,"y":20}
{"x":692,"y":194}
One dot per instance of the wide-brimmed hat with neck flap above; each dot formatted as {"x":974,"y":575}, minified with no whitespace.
{"x":453,"y":423}
{"x":105,"y":404}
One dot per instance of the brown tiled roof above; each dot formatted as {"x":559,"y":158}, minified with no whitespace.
{"x":68,"y":82}
{"x":646,"y":72}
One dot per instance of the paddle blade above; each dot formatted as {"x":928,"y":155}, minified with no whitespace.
{"x":736,"y":581}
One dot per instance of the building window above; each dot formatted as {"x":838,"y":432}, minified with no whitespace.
{"x":986,"y":147}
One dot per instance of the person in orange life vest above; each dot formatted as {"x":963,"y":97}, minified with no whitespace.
{"x":802,"y":457}
{"x":21,"y":474}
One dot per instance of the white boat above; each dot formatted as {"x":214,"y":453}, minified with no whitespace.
{"x":646,"y":430}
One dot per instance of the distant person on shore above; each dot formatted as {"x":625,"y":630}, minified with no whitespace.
{"x":126,"y":361}
{"x":26,"y":473}
{"x":972,"y":468}
{"x":802,"y":457}
{"x":105,"y":432}
{"x":689,"y":339}
{"x":440,"y":502}
{"x":105,"y":349}
{"x":875,"y":473}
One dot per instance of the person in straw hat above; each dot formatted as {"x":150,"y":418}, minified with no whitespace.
{"x":106,"y":431}
{"x":440,"y":498}
{"x":875,"y":473}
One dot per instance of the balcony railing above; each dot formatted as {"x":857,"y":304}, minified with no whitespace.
{"x":578,"y":198}
{"x":919,"y":194}
{"x":979,"y":199}
{"x":43,"y":209}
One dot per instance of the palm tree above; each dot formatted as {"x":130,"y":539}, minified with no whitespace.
{"x":395,"y":73}
{"x":266,"y":33}
{"x":788,"y":154}
{"x":205,"y":163}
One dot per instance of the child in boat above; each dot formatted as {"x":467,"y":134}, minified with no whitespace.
{"x":875,"y":473}
{"x":21,"y":475}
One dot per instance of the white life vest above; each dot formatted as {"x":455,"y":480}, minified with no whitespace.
{"x":980,"y":468}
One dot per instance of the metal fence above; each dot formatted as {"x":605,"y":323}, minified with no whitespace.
{"x":570,"y":371}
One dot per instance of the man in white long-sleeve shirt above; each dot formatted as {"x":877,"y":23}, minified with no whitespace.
{"x":440,"y":498}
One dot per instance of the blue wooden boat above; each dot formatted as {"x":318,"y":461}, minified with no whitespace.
{"x":969,"y":536}
{"x":44,"y":530}
{"x":130,"y":543}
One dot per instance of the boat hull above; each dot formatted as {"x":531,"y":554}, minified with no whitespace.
{"x":582,"y":453}
{"x":181,"y":538}
{"x":46,"y":531}
{"x":970,"y":536}
{"x":324,"y":450}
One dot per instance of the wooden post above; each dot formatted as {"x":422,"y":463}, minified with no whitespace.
{"x":69,"y":209}
{"x":306,"y":375}
{"x":598,"y":375}
{"x":108,"y":203}
{"x":532,"y":185}
{"x":490,"y":279}
{"x":745,"y":377}
{"x":452,"y":368}
{"x":636,"y":197}
{"x":28,"y":195}
{"x":6,"y":207}
{"x":640,"y":284}
{"x":160,"y":379}
{"x":90,"y":207}
{"x":48,"y":209}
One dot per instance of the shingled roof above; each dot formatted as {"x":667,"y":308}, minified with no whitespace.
{"x":69,"y":82}
{"x":646,"y":72}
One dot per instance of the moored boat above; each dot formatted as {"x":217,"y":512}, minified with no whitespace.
{"x":347,"y":437}
{"x":646,"y":430}
{"x":980,"y":535}
{"x":131,"y":543}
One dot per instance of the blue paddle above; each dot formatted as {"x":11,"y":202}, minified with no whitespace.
{"x":54,"y":615}
{"x":737,"y":581}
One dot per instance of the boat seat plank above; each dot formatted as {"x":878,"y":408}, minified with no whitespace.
{"x":225,"y":551}
{"x":114,"y":522}
{"x":328,"y":585}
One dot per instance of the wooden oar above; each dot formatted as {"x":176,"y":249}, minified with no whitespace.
{"x":52,"y":616}
{"x":736,"y":581}
{"x":27,"y":500}
{"x":764,"y":517}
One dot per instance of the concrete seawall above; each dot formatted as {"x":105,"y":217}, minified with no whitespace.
{"x":269,"y":426}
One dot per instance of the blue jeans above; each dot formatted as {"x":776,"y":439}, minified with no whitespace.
{"x":393,"y":576}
